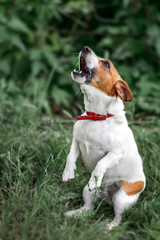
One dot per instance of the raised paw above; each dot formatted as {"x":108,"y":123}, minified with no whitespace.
{"x":94,"y":182}
{"x":68,"y":174}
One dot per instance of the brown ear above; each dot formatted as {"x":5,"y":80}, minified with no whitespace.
{"x":123,"y":91}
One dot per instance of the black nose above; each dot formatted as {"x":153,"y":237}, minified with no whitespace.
{"x":86,"y":49}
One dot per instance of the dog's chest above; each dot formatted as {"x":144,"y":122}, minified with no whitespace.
{"x":94,"y":139}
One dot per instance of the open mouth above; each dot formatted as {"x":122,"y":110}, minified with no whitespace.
{"x":83,"y":69}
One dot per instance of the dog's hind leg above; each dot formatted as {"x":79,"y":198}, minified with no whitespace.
{"x":89,"y":198}
{"x":121,"y":202}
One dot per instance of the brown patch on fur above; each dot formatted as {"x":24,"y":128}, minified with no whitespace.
{"x":109,"y":82}
{"x":132,"y":188}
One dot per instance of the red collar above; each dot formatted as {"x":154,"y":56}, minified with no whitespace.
{"x":93,"y":116}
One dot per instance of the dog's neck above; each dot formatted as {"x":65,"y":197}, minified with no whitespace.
{"x":100,"y":103}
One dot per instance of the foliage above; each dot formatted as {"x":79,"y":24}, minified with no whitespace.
{"x":40,"y":41}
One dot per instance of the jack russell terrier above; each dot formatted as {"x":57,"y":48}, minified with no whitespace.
{"x":104,"y":140}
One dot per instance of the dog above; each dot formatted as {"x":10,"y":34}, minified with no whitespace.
{"x":103,"y":138}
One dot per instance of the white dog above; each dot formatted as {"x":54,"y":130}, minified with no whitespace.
{"x":104,"y":140}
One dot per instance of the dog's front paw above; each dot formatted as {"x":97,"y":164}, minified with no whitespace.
{"x":94,"y":182}
{"x":68,"y":174}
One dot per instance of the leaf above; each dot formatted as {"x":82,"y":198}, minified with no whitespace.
{"x":16,"y":41}
{"x":105,"y":42}
{"x":3,"y":19}
{"x":143,"y":65}
{"x":136,"y":73}
{"x":49,"y":56}
{"x":153,"y":31}
{"x":61,"y":96}
{"x":126,"y":3}
{"x":122,"y":52}
{"x":20,"y":67}
{"x":4,"y":66}
{"x":35,"y":54}
{"x":12,"y":87}
{"x":17,"y":24}
{"x":37,"y":66}
{"x":156,"y":225}
{"x":4,"y":34}
{"x":154,"y":234}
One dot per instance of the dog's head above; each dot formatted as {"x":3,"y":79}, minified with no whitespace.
{"x":101,"y":74}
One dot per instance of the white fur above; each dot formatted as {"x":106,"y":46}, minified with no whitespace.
{"x":108,"y":150}
{"x":78,"y":79}
{"x":91,"y":59}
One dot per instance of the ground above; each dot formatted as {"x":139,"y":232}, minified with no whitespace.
{"x":33,"y":150}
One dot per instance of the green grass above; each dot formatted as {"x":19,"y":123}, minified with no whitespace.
{"x":33,"y":150}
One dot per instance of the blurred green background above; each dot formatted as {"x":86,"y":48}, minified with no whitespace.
{"x":40,"y":41}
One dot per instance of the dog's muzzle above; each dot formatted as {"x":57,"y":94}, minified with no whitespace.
{"x":84,"y":74}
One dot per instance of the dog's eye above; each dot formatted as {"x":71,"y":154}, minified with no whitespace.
{"x":106,"y":64}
